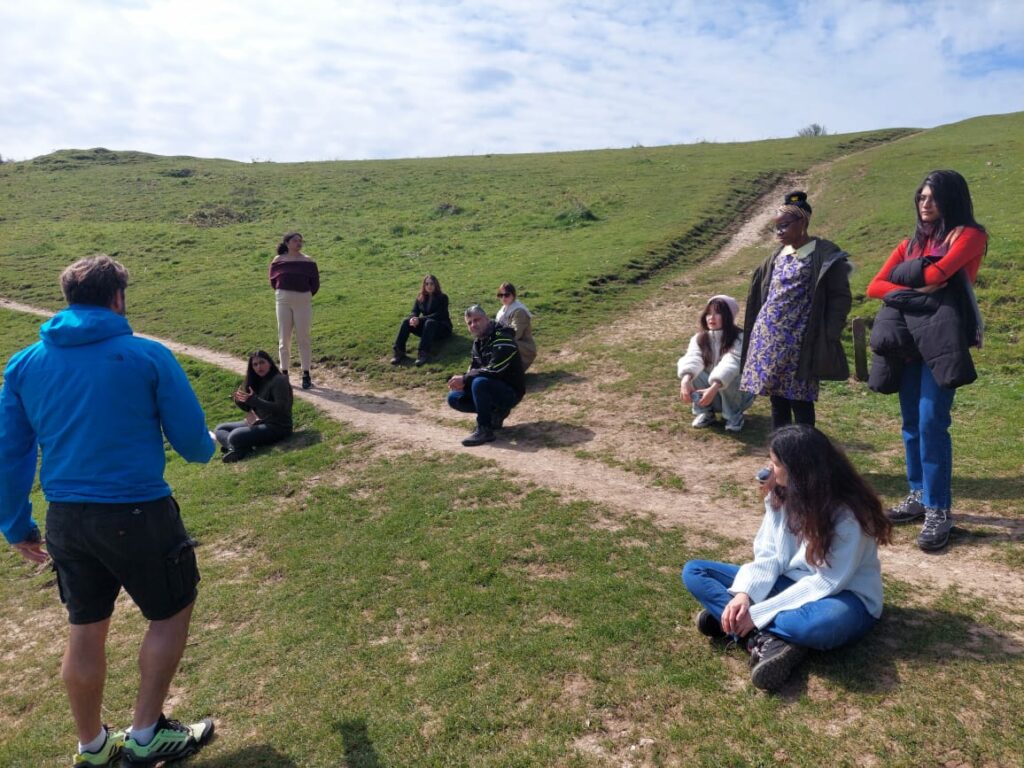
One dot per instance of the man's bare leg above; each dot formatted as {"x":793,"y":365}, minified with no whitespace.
{"x":158,"y":661}
{"x":84,"y":672}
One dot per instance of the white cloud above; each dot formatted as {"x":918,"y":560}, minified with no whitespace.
{"x":317,"y":79}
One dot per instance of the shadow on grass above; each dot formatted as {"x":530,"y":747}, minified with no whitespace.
{"x":537,"y":435}
{"x":368,"y":403}
{"x":359,"y":751}
{"x":921,"y":639}
{"x":981,"y":488}
{"x":260,"y":756}
{"x":538,"y":382}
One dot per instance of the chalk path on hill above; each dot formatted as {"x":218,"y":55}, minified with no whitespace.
{"x":412,"y":422}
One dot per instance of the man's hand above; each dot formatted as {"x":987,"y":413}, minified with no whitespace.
{"x":32,"y":551}
{"x":457,"y":383}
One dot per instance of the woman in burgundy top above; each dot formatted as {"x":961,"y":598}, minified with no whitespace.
{"x":296,"y":280}
{"x":926,"y":284}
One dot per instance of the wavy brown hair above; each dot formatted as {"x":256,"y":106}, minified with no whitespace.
{"x":422,"y":295}
{"x":821,"y":481}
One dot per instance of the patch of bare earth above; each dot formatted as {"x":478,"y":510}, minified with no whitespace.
{"x":586,"y":409}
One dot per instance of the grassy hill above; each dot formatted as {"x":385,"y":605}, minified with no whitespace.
{"x":576,"y":232}
{"x":374,"y":610}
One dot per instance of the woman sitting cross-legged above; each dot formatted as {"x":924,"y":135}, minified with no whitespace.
{"x":815,"y":580}
{"x":266,"y":398}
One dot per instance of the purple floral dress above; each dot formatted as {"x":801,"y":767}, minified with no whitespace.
{"x":778,"y":332}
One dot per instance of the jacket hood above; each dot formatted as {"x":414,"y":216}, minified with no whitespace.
{"x":80,"y":324}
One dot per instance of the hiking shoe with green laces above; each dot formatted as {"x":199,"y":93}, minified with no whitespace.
{"x":908,"y":510}
{"x":172,"y":741}
{"x":106,"y":754}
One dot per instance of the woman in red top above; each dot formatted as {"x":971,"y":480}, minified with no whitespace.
{"x":950,"y":245}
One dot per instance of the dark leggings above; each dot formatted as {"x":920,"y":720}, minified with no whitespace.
{"x":786,"y":411}
{"x":428,"y":330}
{"x":239,"y":436}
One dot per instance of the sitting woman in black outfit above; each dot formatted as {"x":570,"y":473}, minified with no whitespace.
{"x":266,"y":398}
{"x":429,"y":320}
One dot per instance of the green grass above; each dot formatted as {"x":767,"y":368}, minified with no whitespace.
{"x":376,"y":227}
{"x":421,"y":610}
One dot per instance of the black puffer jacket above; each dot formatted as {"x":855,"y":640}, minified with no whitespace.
{"x":937,"y":328}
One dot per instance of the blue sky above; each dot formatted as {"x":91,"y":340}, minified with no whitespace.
{"x":353,"y":79}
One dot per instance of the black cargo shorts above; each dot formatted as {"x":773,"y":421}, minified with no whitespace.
{"x":99,"y":548}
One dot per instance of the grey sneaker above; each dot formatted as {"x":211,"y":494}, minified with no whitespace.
{"x":703,"y":420}
{"x":907,"y":510}
{"x":935,"y":532}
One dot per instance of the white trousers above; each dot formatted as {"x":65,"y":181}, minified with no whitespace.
{"x":294,"y":311}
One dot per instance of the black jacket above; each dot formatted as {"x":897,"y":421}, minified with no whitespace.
{"x":434,"y":308}
{"x":496,"y":356}
{"x":821,"y":354}
{"x":937,"y":328}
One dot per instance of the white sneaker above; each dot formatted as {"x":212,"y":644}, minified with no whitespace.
{"x":703,"y":420}
{"x":735,"y":424}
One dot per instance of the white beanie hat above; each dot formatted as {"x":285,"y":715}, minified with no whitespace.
{"x":730,"y":302}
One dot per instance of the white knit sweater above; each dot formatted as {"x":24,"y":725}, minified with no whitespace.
{"x":724,"y":368}
{"x":852,"y":564}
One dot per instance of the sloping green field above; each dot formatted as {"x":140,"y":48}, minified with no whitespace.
{"x":382,"y":611}
{"x":208,"y":229}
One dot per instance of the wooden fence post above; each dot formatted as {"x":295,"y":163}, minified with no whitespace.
{"x":860,"y":348}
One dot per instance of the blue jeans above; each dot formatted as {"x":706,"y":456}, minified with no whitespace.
{"x":822,"y":624}
{"x":730,"y":402}
{"x":925,"y":407}
{"x":485,"y":397}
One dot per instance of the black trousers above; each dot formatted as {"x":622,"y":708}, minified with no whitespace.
{"x":428,"y":330}
{"x":786,"y":411}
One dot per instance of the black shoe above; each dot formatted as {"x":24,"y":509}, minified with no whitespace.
{"x":480,"y":436}
{"x":307,"y":383}
{"x":235,"y":454}
{"x":498,"y":419}
{"x":399,"y":358}
{"x":908,"y":510}
{"x":935,"y":532}
{"x":708,"y":626}
{"x":772,"y":660}
{"x":421,"y":360}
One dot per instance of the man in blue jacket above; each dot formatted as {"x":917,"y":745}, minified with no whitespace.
{"x":98,"y":402}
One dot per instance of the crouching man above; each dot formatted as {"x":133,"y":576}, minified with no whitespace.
{"x":494,"y":383}
{"x":97,"y":401}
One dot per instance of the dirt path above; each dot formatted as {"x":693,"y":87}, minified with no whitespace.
{"x":549,"y":427}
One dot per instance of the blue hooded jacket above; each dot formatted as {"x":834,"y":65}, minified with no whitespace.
{"x":98,"y":402}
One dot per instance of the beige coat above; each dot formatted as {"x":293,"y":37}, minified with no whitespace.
{"x":518,"y":317}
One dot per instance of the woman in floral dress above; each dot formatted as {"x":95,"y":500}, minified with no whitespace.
{"x":796,"y":309}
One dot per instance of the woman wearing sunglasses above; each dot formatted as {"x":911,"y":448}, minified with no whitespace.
{"x":514,"y":314}
{"x":796,"y":309}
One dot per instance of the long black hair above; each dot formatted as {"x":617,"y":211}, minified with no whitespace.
{"x":252,"y":379}
{"x":729,"y":331}
{"x":953,"y":199}
{"x":820,"y":481}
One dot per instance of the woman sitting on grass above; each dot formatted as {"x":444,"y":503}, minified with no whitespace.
{"x":266,"y":398}
{"x":429,"y":319}
{"x":815,"y":580}
{"x":709,"y":372}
